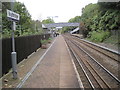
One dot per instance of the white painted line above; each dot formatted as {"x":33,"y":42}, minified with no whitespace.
{"x":33,"y":68}
{"x":78,"y":77}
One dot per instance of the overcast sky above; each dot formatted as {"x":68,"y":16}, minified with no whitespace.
{"x":64,"y":9}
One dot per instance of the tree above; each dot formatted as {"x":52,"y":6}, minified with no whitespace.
{"x":99,"y":20}
{"x":24,"y":27}
{"x":6,"y":25}
{"x":75,"y":19}
{"x":83,"y":29}
{"x":25,"y":17}
{"x":47,"y":21}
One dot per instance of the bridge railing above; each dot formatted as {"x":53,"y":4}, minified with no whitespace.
{"x":60,"y":24}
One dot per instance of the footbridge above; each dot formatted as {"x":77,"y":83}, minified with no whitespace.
{"x":59,"y":25}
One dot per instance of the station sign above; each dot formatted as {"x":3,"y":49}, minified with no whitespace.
{"x":13,"y":16}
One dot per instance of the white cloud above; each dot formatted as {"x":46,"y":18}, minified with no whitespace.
{"x":64,"y":9}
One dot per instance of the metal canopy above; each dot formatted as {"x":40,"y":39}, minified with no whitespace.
{"x":60,"y":25}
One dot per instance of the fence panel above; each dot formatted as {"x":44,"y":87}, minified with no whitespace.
{"x":24,"y":46}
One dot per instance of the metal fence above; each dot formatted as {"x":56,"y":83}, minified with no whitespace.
{"x":24,"y":46}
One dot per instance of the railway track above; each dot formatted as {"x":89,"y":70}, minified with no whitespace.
{"x":92,"y":73}
{"x":108,"y":58}
{"x":105,"y":51}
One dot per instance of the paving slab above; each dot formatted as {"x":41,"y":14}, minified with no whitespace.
{"x":55,"y":70}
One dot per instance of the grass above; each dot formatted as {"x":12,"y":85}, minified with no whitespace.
{"x":113,"y":39}
{"x":46,"y":41}
{"x":98,"y":36}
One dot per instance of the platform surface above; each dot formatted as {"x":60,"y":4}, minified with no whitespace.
{"x":55,"y":70}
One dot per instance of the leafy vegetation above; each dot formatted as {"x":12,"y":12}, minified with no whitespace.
{"x":46,"y":41}
{"x":99,"y":36}
{"x":101,"y":17}
{"x":98,"y":21}
{"x":113,"y":39}
{"x":75,"y":19}
{"x":47,"y":21}
{"x":26,"y":26}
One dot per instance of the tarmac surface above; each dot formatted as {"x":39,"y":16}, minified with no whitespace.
{"x":55,"y":69}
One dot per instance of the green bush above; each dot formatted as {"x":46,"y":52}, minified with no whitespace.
{"x":45,"y":41}
{"x":99,"y":36}
{"x":113,"y":39}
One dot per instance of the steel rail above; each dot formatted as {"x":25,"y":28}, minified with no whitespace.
{"x":86,"y":66}
{"x":102,"y":52}
{"x":105,"y":48}
{"x":80,"y":65}
{"x":101,"y":47}
{"x":101,"y":65}
{"x":94,"y":72}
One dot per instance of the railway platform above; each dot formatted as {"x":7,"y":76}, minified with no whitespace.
{"x":54,"y":70}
